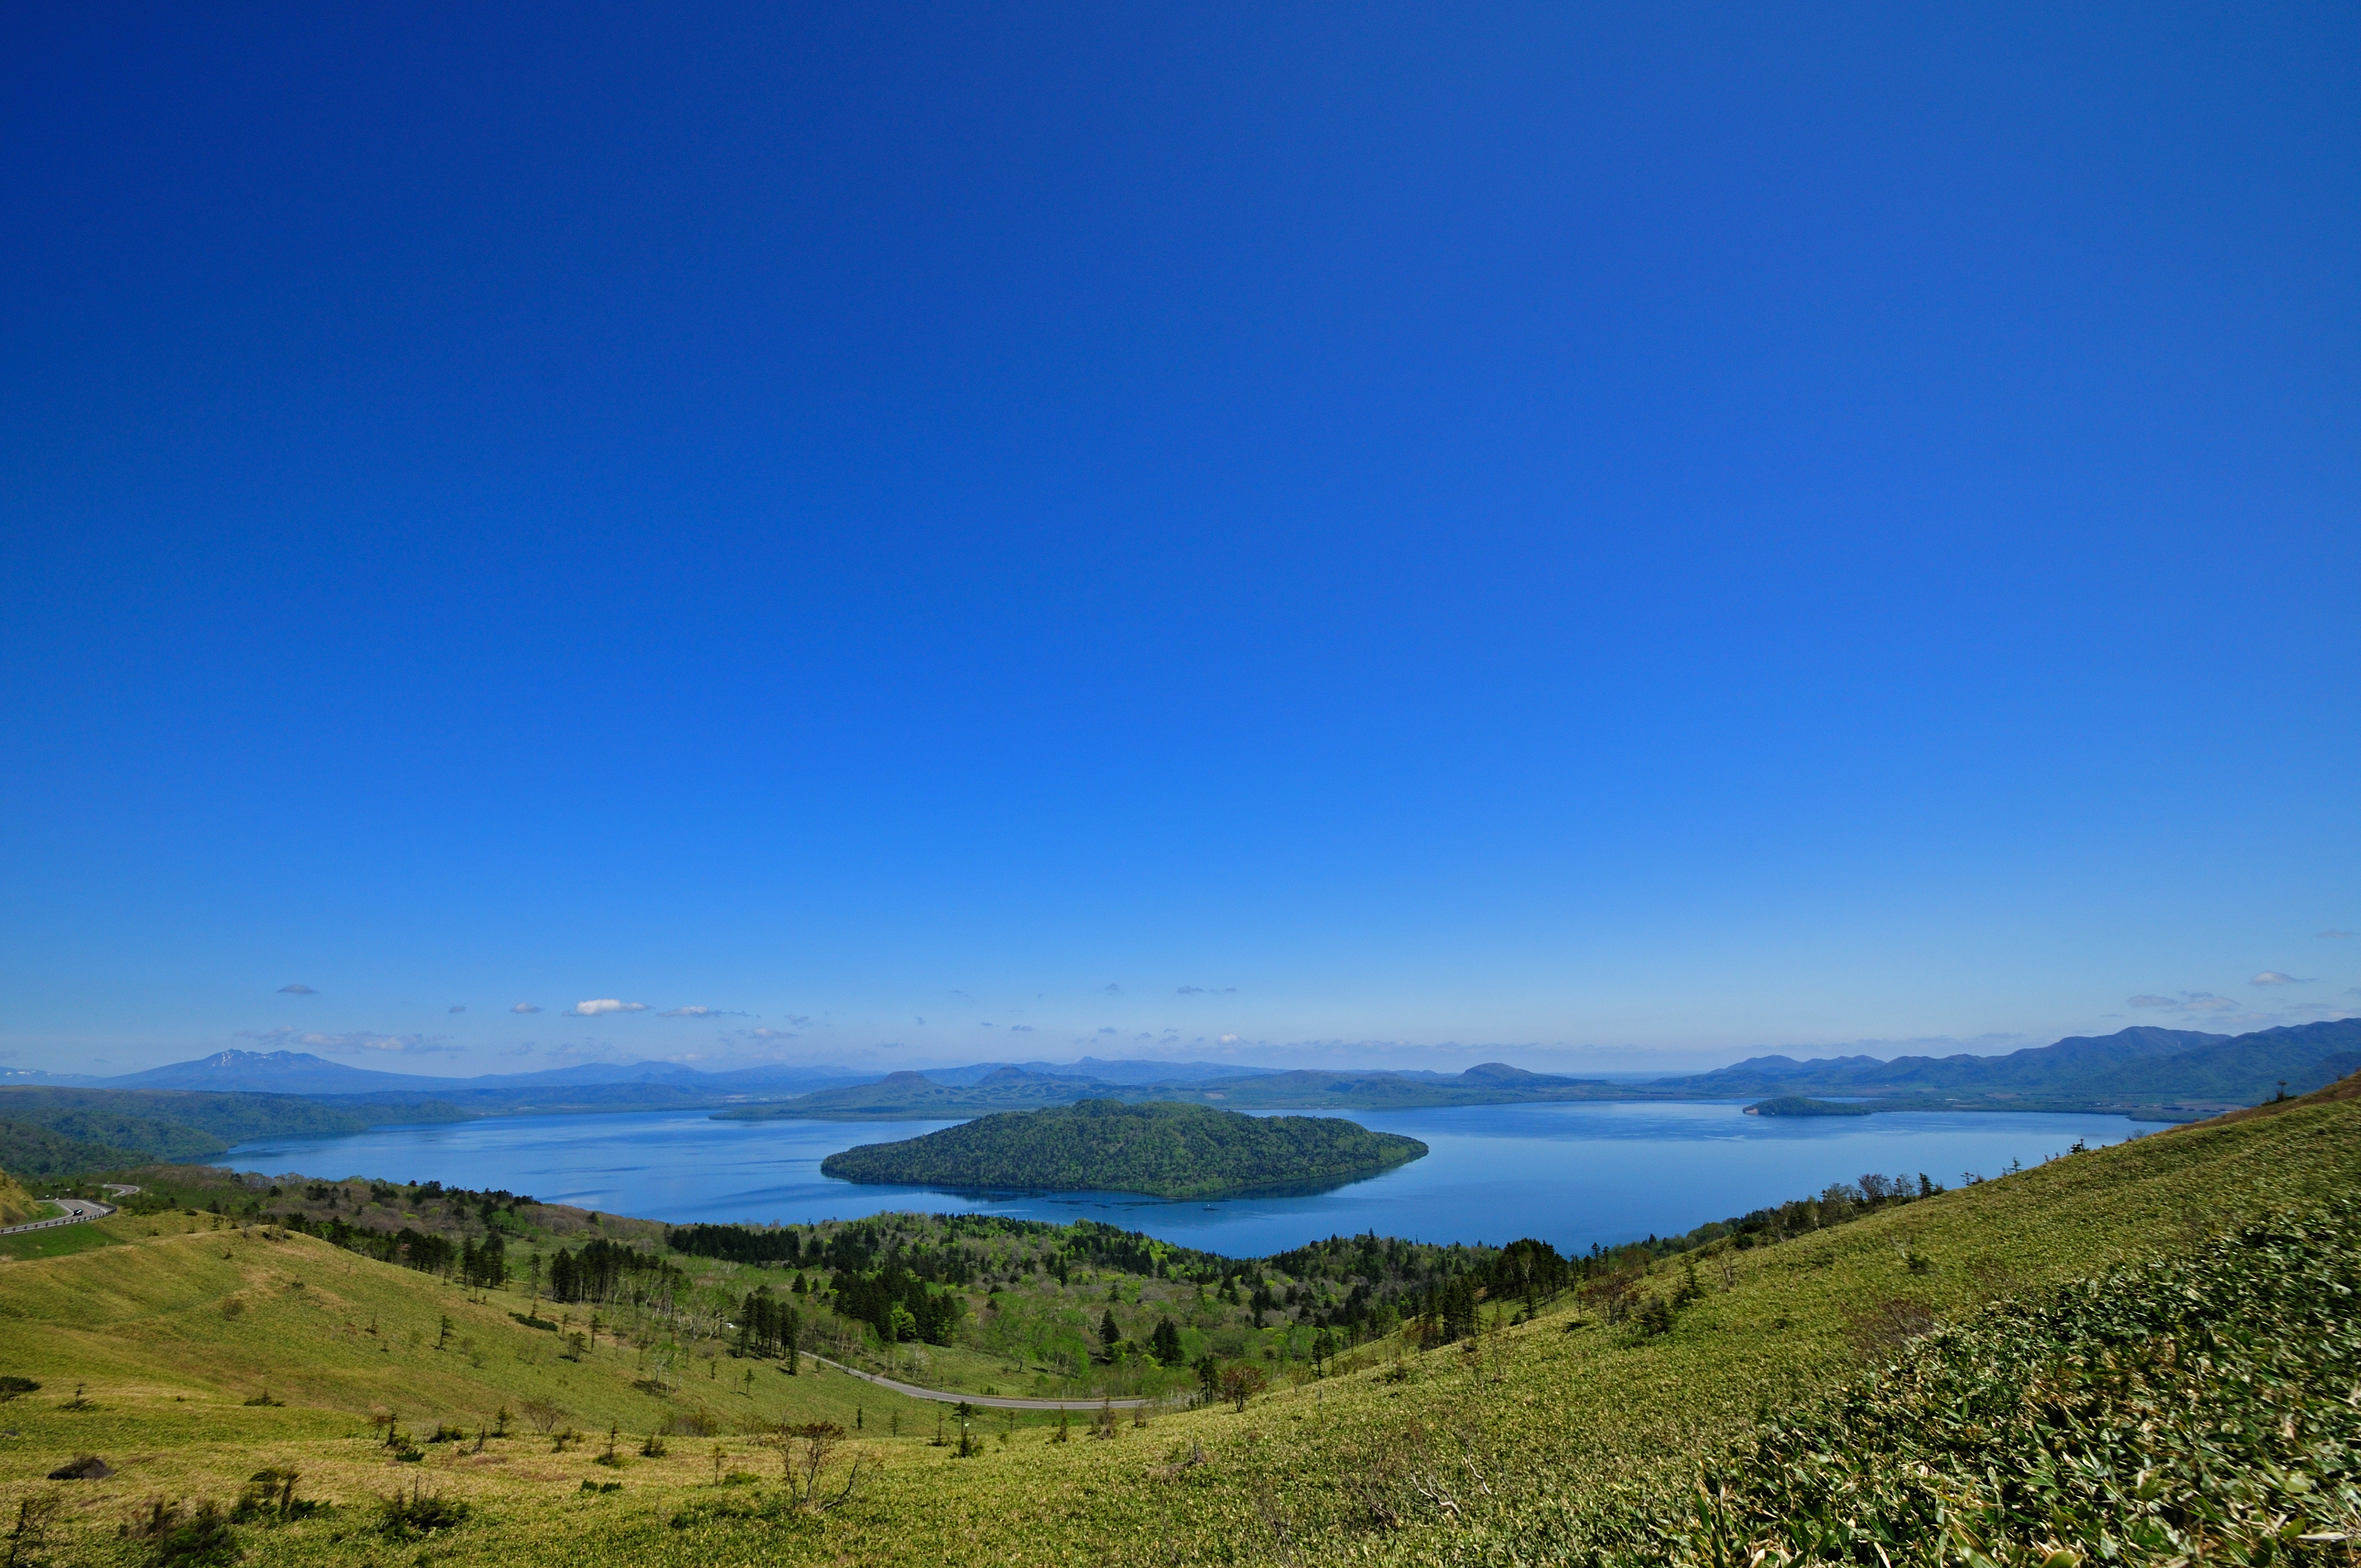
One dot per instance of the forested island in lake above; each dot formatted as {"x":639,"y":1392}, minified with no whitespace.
{"x":1801,"y":1105}
{"x":1163,"y":1149}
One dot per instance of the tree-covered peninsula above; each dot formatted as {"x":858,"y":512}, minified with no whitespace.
{"x":1168,"y":1150}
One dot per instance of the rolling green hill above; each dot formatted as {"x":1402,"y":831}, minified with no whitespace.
{"x":42,"y":1155}
{"x":2108,"y":1357}
{"x":1172,"y":1151}
{"x":16,"y":1205}
{"x":58,"y":1132}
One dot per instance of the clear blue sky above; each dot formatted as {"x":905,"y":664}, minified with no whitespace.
{"x":1586,"y":535}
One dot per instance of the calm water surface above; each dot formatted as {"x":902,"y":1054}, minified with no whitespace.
{"x":1570,"y":1174}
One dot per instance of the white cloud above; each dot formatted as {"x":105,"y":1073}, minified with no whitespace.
{"x":299,"y":989}
{"x":766,"y":1034}
{"x":605,"y":1004}
{"x":524,"y":1007}
{"x":400,"y":1044}
{"x":579,"y":1050}
{"x":2273,"y":977}
{"x":1229,"y":1039}
{"x":2188,"y":1002}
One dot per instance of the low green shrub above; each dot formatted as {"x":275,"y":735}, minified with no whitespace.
{"x":2200,"y":1409}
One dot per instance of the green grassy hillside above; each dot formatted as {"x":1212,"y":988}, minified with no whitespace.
{"x":1577,"y":1435}
{"x":1172,"y":1151}
{"x":16,"y":1205}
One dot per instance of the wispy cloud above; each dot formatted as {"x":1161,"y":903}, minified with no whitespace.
{"x":2273,"y":977}
{"x":2188,"y":1002}
{"x":1020,"y":1028}
{"x":403,"y":1045}
{"x":1107,"y":1029}
{"x":459,"y":1007}
{"x":298,"y":989}
{"x":524,"y":1007}
{"x":605,"y":1004}
{"x":765,"y":1036}
{"x":698,"y":1012}
{"x":1112,"y":989}
{"x":922,"y":1023}
{"x":2333,"y":935}
{"x":1207,"y":991}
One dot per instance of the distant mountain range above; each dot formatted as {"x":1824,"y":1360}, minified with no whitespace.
{"x":2165,"y":1075}
{"x":300,"y":1072}
{"x":2156,"y":1074}
{"x":924,"y":1094}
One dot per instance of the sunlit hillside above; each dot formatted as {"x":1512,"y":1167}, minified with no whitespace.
{"x":191,"y":1355}
{"x":16,"y":1205}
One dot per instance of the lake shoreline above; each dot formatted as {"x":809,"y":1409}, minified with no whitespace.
{"x":1572,"y":1175}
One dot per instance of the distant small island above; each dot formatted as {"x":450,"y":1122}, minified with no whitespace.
{"x":1799,"y":1105}
{"x":1160,"y":1149}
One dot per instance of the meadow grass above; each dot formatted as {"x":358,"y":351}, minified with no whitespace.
{"x":1537,"y":1443}
{"x":55,"y":1244}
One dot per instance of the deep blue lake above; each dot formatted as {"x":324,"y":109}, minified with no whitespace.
{"x":1571,"y":1174}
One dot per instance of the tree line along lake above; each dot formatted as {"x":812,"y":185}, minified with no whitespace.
{"x":1571,"y":1174}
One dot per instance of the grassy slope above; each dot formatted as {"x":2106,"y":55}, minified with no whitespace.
{"x":16,"y":1205}
{"x":1531,"y":1439}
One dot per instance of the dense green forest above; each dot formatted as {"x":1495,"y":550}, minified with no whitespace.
{"x":62,"y":1132}
{"x":1172,"y":1151}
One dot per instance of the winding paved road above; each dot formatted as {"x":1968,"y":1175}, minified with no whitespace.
{"x":77,"y":1210}
{"x":980,"y":1401}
